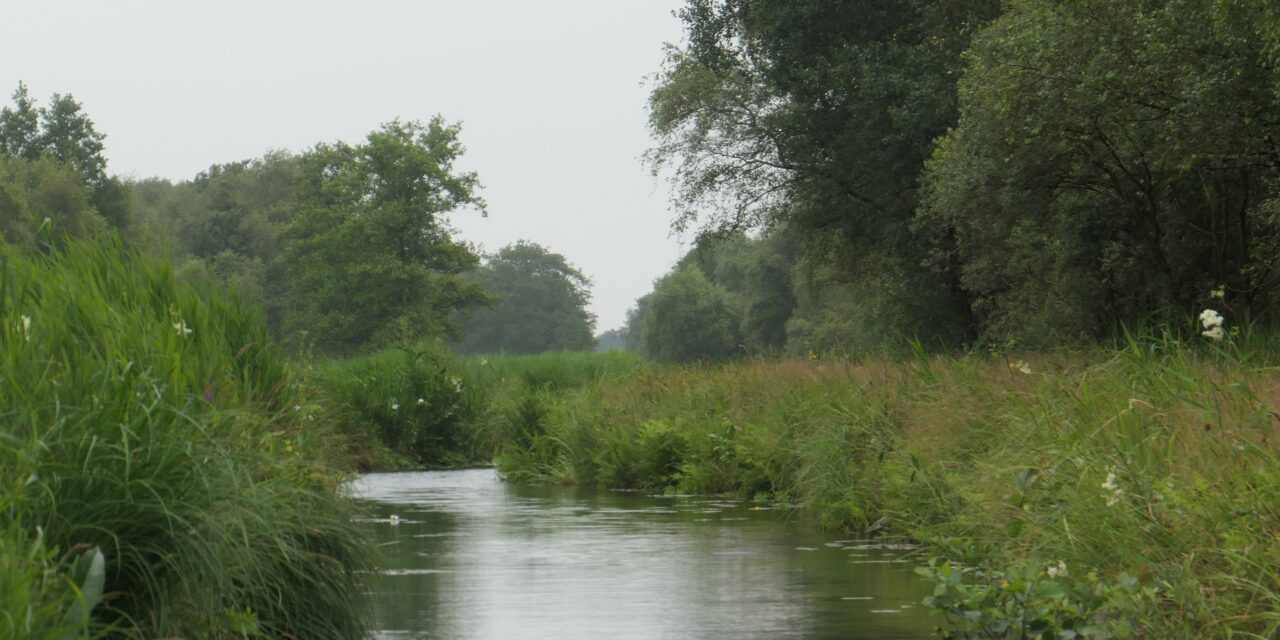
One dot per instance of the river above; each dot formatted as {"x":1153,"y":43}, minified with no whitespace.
{"x":470,"y":557}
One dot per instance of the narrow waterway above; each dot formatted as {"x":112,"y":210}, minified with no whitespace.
{"x":471,"y":557}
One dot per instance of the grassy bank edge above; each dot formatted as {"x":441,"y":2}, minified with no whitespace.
{"x":1100,"y":493}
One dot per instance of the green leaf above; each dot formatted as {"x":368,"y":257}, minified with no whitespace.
{"x":89,"y":575}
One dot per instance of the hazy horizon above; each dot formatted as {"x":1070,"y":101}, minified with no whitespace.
{"x":551,"y":98}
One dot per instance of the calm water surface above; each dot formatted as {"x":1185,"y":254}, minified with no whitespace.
{"x":473,"y":557}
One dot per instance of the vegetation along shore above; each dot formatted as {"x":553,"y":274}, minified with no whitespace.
{"x":995,"y":281}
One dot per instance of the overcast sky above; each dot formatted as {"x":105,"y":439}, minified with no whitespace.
{"x":550,"y":94}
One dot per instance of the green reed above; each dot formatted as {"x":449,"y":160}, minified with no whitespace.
{"x":154,"y":422}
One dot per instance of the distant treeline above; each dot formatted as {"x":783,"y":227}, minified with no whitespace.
{"x":1011,"y":174}
{"x":957,"y":173}
{"x":344,"y":245}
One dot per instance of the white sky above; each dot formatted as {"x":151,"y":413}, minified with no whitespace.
{"x":550,"y":93}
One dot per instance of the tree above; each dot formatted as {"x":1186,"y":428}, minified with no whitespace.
{"x":688,"y":318}
{"x":612,"y":340}
{"x":541,"y":304}
{"x":818,"y":114}
{"x":36,"y":193}
{"x":65,"y":134}
{"x":1112,"y":164}
{"x":20,"y":127}
{"x":68,"y":135}
{"x":369,"y":258}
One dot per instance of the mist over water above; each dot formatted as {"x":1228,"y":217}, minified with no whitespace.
{"x":469,"y":556}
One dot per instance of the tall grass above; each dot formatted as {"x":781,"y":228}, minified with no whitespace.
{"x":154,"y":423}
{"x":1151,"y":473}
{"x":421,"y":406}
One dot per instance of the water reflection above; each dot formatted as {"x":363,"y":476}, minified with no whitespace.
{"x":475,"y":558}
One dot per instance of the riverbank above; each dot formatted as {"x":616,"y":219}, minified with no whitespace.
{"x":421,"y":406}
{"x":1113,"y":493}
{"x":161,"y":478}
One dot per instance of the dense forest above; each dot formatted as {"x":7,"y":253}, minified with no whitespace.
{"x":1015,"y":175}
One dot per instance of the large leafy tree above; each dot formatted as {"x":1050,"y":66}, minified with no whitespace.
{"x":819,"y":114}
{"x":369,"y":257}
{"x":1115,"y":162}
{"x":689,"y":318}
{"x":541,"y":304}
{"x":65,"y":134}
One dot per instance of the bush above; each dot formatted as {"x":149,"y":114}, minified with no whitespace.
{"x":410,"y":400}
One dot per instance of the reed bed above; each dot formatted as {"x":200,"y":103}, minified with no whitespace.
{"x":160,"y":478}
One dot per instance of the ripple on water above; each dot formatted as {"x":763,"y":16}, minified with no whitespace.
{"x":413,"y":572}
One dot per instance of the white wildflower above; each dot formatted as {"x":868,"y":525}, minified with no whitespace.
{"x":1215,"y":334}
{"x":297,"y":407}
{"x":1112,"y":485}
{"x":421,"y":401}
{"x":395,"y":406}
{"x":1210,"y":319}
{"x":182,"y":329}
{"x":1219,"y":293}
{"x":457,"y":384}
{"x":484,"y":361}
{"x":26,"y":328}
{"x":1059,"y":571}
{"x":1021,"y":366}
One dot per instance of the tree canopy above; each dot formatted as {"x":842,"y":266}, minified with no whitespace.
{"x":370,"y":258}
{"x":1026,"y":173}
{"x":63,"y":133}
{"x":540,"y":304}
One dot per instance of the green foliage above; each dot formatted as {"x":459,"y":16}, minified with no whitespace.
{"x":690,"y":319}
{"x":417,"y":406}
{"x":20,"y":126}
{"x":612,"y":340}
{"x":541,"y":304}
{"x":42,"y":201}
{"x":410,"y":400}
{"x":819,"y":115}
{"x":151,"y":421}
{"x":1028,"y":600}
{"x":730,"y":296}
{"x":63,"y":134}
{"x":1116,"y":174}
{"x":1028,"y":174}
{"x":44,"y":597}
{"x":224,"y":225}
{"x":369,"y":258}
